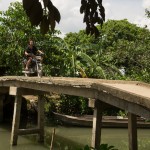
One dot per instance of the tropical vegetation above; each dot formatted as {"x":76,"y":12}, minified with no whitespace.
{"x":121,"y":51}
{"x":101,"y":147}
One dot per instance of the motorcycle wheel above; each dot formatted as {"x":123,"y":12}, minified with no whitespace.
{"x":39,"y":70}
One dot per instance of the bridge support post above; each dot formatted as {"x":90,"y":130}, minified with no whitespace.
{"x":1,"y":107}
{"x":18,"y":92}
{"x":41,"y":118}
{"x":132,"y":131}
{"x":16,"y":120}
{"x":97,"y":124}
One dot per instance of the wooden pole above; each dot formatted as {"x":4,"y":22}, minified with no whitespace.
{"x":16,"y":120}
{"x":132,"y":131}
{"x":41,"y":118}
{"x":52,"y":140}
{"x":97,"y":124}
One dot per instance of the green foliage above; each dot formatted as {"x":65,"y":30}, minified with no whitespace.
{"x":121,"y":44}
{"x":15,"y":30}
{"x":72,"y":105}
{"x":122,"y":113}
{"x":12,"y":32}
{"x":129,"y":47}
{"x":94,"y":68}
{"x":50,"y":104}
{"x":101,"y":147}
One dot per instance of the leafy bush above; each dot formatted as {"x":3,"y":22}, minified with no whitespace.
{"x":101,"y":147}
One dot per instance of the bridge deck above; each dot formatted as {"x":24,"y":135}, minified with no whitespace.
{"x":118,"y":93}
{"x":137,"y":89}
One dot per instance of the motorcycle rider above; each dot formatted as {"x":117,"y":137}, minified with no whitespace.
{"x":30,"y":53}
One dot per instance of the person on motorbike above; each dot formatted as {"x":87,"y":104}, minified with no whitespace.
{"x":30,"y":53}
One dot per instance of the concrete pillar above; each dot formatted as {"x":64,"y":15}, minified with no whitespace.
{"x":132,"y":131}
{"x":16,"y":120}
{"x":41,"y":118}
{"x":97,"y":124}
{"x":1,"y":108}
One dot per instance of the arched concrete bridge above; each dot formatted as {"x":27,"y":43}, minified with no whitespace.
{"x":131,"y":96}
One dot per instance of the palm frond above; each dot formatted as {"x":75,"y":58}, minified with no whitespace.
{"x":88,"y":59}
{"x":93,"y":65}
{"x":113,"y":68}
{"x":81,"y":70}
{"x":101,"y":72}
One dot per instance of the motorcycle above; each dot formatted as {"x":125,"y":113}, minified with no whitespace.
{"x":35,"y":68}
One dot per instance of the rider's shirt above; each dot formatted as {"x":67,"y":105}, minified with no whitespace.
{"x":32,"y":50}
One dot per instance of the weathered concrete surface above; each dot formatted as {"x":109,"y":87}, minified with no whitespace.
{"x":128,"y":95}
{"x":97,"y":124}
{"x":25,"y":91}
{"x":16,"y":120}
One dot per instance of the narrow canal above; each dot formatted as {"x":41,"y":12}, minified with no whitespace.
{"x":72,"y":138}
